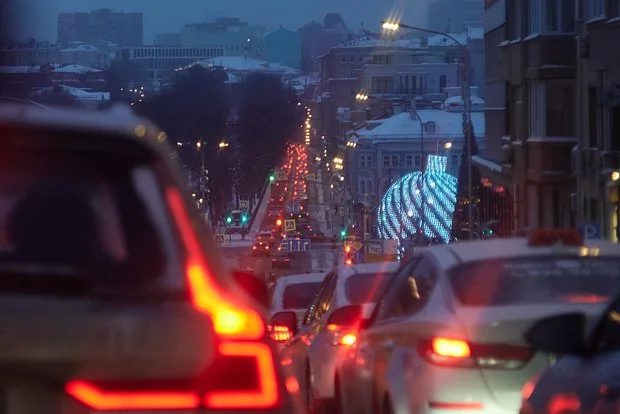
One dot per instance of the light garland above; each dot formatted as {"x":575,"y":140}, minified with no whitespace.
{"x":400,"y":212}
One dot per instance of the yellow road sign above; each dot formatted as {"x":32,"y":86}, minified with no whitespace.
{"x":289,"y":225}
{"x":219,"y":238}
{"x":357,"y":245}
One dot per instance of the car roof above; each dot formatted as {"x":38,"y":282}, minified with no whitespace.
{"x":468,"y":251}
{"x":117,"y":122}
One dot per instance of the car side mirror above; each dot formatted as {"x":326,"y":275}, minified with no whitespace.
{"x":253,"y":286}
{"x":282,"y":326}
{"x":347,"y":316}
{"x":561,"y":335}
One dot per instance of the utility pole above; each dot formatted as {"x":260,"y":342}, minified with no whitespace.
{"x":579,"y":27}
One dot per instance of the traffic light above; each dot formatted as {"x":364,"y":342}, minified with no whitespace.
{"x":229,"y":220}
{"x":278,"y":222}
{"x":244,"y":219}
{"x":272,"y":178}
{"x":343,"y":232}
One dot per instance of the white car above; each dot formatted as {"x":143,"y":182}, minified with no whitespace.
{"x":113,"y":294}
{"x":326,"y":332}
{"x":293,"y":293}
{"x":448,"y":335}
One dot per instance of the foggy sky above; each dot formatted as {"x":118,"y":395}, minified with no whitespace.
{"x":37,"y":18}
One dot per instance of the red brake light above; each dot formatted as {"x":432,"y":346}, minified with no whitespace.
{"x":232,"y":321}
{"x":459,"y":353}
{"x":280,"y":333}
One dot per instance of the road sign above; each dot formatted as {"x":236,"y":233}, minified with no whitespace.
{"x":293,"y":208}
{"x":357,"y":245}
{"x":590,"y":231}
{"x":244,"y":204}
{"x":311,"y":177}
{"x":281,"y":176}
{"x":289,"y":225}
{"x":219,"y":238}
{"x":297,"y":245}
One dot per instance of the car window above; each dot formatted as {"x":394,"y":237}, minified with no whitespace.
{"x":365,"y":287}
{"x":98,"y":214}
{"x":299,"y":295}
{"x":312,"y":310}
{"x":326,"y":302}
{"x":607,"y":333}
{"x":383,"y":305}
{"x":535,"y":280}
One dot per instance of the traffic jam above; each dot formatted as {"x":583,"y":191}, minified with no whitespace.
{"x":491,"y":326}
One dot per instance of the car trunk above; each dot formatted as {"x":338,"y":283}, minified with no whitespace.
{"x":46,"y":342}
{"x":507,"y":325}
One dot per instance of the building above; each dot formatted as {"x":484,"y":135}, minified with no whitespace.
{"x":530,"y":114}
{"x":317,"y":39}
{"x":240,"y":66}
{"x":77,"y":53}
{"x":381,"y":151}
{"x":281,"y":45}
{"x":103,"y":25}
{"x":455,"y":16}
{"x":230,"y":34}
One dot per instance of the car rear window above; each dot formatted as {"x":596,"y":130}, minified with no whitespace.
{"x":80,"y":210}
{"x":365,"y":287}
{"x":299,"y":295}
{"x":536,"y":280}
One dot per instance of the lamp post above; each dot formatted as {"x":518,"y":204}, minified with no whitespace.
{"x":422,"y":172}
{"x":394,"y":26}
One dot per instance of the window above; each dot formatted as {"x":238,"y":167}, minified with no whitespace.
{"x":455,"y":160}
{"x":443,"y":83}
{"x":607,"y":331}
{"x":559,"y":16}
{"x":560,"y":106}
{"x":418,"y":160}
{"x":363,"y":161}
{"x":316,"y":311}
{"x":362,"y":186}
{"x":534,"y":18}
{"x":537,"y":109}
{"x":409,"y":292}
{"x":369,"y":161}
{"x":364,"y":288}
{"x":299,"y":295}
{"x":593,"y":116}
{"x":382,"y":84}
{"x":386,"y":161}
{"x":515,"y":19}
{"x":614,"y":8}
{"x":535,"y":280}
{"x":409,"y":160}
{"x":395,"y":161}
{"x":595,"y":9}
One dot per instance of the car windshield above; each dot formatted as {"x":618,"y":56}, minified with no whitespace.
{"x":299,"y":295}
{"x":536,"y":280}
{"x":92,"y":213}
{"x":365,"y":287}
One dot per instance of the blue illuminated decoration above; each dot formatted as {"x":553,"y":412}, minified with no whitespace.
{"x":400,"y":212}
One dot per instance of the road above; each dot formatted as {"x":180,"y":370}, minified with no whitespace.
{"x":320,"y":258}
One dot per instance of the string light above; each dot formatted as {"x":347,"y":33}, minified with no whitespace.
{"x":400,"y":212}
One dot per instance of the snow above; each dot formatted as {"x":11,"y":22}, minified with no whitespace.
{"x":79,"y":94}
{"x":441,"y":40}
{"x":366,"y":41}
{"x":246,"y":64}
{"x":19,"y":69}
{"x":475,"y":100}
{"x":406,"y":126}
{"x":81,"y":48}
{"x":75,"y":69}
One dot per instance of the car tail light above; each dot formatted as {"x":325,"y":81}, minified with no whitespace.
{"x":238,"y":328}
{"x":280,"y":333}
{"x":564,"y":404}
{"x":341,"y":336}
{"x":459,"y":353}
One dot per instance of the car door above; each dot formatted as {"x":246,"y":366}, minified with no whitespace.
{"x":391,"y":344}
{"x":357,"y":388}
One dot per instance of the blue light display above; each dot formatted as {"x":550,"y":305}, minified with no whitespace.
{"x":419,"y":203}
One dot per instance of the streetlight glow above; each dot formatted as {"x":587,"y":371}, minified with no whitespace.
{"x":223,"y":144}
{"x":393,"y":26}
{"x":447,"y":145}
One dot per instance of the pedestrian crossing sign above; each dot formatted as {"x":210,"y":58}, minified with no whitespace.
{"x":219,"y":238}
{"x":289,"y":225}
{"x":311,"y":177}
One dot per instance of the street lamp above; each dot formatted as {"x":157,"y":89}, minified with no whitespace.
{"x":223,"y":144}
{"x":394,"y":26}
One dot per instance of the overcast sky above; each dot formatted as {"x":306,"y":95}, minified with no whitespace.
{"x":37,"y":18}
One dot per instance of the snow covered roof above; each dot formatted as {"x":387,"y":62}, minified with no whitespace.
{"x":19,"y":69}
{"x":76,"y":69}
{"x":312,"y":79}
{"x":246,"y":64}
{"x":81,"y":48}
{"x":405,"y":126}
{"x":78,"y":94}
{"x":365,"y":41}
{"x":475,"y":100}
{"x":441,"y":40}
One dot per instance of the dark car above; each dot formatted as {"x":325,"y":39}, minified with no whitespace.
{"x":281,"y":260}
{"x":260,"y":249}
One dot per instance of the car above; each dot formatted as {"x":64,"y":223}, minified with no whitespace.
{"x":325,"y":333}
{"x":450,"y":330}
{"x":281,"y":260}
{"x":114,"y":296}
{"x":293,"y":293}
{"x":266,"y":237}
{"x":260,"y":248}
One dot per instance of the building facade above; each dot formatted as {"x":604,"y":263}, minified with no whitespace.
{"x":103,"y":25}
{"x":279,"y":46}
{"x":452,"y":16}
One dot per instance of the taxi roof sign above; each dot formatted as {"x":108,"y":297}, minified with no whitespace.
{"x":551,"y":237}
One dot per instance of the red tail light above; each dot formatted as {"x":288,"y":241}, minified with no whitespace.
{"x":237,"y":327}
{"x":279,"y":333}
{"x":462,"y":354}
